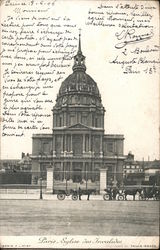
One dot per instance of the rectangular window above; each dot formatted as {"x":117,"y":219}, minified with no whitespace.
{"x":92,"y":120}
{"x":84,"y":120}
{"x":72,"y":119}
{"x":57,"y":171}
{"x":60,"y":121}
{"x":46,"y":147}
{"x":58,"y":144}
{"x":110,"y":147}
{"x":96,"y":145}
{"x":96,"y":122}
{"x":77,"y":142}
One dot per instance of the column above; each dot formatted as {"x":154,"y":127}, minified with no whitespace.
{"x":102,"y":120}
{"x":103,"y":180}
{"x":93,"y":172}
{"x":64,"y":170}
{"x":115,"y":174}
{"x":80,"y":119}
{"x":61,"y":171}
{"x":71,"y":144}
{"x":65,"y":144}
{"x":54,"y":145}
{"x":50,"y":180}
{"x":71,"y":170}
{"x":54,"y":120}
{"x":93,"y":120}
{"x":89,"y":143}
{"x":90,"y":120}
{"x":64,"y":119}
{"x":101,"y":146}
{"x":62,"y":144}
{"x":83,"y":171}
{"x":83,"y":143}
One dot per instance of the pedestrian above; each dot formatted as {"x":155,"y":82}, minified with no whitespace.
{"x":114,"y":193}
{"x":88,"y":195}
{"x":80,"y":193}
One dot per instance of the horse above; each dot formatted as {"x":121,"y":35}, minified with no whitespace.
{"x":150,"y":193}
{"x":132,"y":192}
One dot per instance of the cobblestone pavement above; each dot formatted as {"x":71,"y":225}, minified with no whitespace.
{"x":94,"y":217}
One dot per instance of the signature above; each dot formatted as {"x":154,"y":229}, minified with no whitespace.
{"x":129,"y":37}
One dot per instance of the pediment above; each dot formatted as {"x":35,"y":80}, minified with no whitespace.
{"x":79,"y":126}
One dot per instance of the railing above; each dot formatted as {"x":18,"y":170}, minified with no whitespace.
{"x":35,"y":189}
{"x":66,"y":185}
{"x":20,"y":189}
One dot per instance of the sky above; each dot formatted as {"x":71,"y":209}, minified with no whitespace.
{"x":131,"y":100}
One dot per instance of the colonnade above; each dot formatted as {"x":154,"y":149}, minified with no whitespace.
{"x":67,"y":143}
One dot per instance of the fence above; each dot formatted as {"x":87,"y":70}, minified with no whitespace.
{"x":22,"y":182}
{"x":21,"y":189}
{"x":15,"y":178}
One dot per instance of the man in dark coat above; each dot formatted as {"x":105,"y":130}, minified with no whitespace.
{"x":88,"y":195}
{"x":80,"y":193}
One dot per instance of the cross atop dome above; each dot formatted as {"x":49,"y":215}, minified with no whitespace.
{"x":79,"y":58}
{"x":79,"y":47}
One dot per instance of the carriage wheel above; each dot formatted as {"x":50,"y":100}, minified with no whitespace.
{"x":120,"y":197}
{"x":61,"y":197}
{"x":106,"y":197}
{"x":74,"y":197}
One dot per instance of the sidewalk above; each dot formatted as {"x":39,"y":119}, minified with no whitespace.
{"x":48,"y":196}
{"x":45,"y":197}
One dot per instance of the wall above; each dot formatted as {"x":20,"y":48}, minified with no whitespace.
{"x":15,"y":178}
{"x":42,"y":145}
{"x":112,"y":146}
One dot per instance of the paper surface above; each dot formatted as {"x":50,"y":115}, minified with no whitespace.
{"x":120,"y":40}
{"x":121,"y":43}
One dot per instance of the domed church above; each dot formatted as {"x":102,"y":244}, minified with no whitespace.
{"x":78,"y":150}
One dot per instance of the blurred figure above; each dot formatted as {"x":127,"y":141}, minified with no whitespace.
{"x":88,"y":195}
{"x":80,"y":193}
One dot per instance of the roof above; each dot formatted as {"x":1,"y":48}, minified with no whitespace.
{"x":114,"y":136}
{"x":79,"y":85}
{"x":42,"y":136}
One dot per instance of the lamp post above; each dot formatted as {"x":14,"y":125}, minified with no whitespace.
{"x":53,"y":178}
{"x":66,"y":176}
{"x":86,"y":178}
{"x":115,"y":172}
{"x":41,"y":197}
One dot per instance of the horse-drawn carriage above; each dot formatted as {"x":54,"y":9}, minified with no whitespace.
{"x":142,"y":192}
{"x":74,"y":193}
{"x":150,"y":193}
{"x":113,"y":194}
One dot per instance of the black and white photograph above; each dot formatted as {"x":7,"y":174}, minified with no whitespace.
{"x":80,"y":124}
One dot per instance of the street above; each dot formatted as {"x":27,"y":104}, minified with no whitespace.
{"x":94,"y":217}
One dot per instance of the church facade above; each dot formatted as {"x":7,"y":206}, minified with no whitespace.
{"x":78,"y":148}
